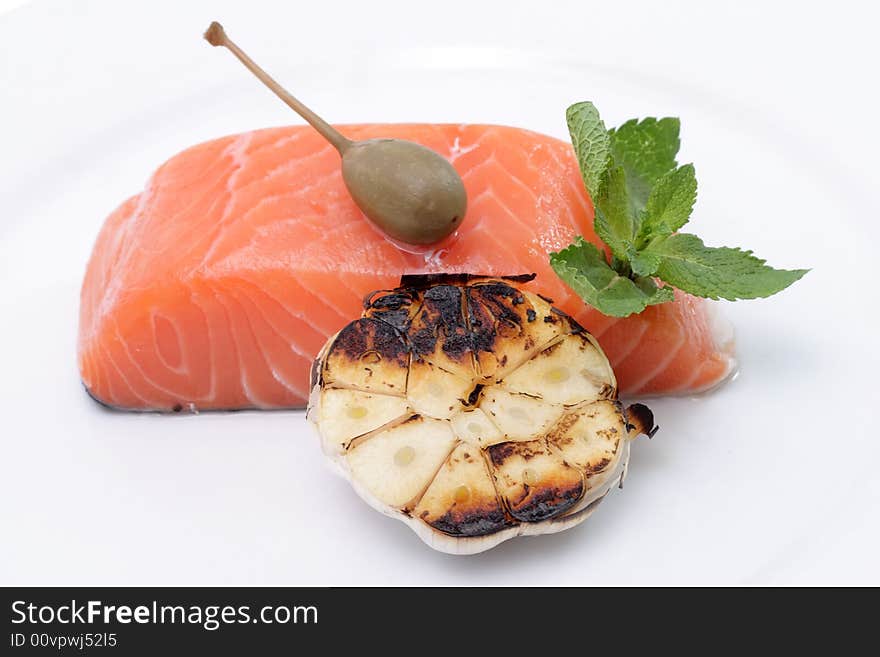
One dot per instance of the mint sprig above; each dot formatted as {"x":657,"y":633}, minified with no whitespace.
{"x":642,"y":198}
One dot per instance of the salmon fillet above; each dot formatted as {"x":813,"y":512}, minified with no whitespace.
{"x":216,"y":286}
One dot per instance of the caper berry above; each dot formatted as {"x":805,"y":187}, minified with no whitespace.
{"x":410,"y":192}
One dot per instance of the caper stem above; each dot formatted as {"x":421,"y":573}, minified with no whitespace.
{"x":216,"y":36}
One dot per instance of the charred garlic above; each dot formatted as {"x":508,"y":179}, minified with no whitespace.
{"x":473,"y":411}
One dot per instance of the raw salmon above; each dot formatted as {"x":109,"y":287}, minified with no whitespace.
{"x":217,"y":285}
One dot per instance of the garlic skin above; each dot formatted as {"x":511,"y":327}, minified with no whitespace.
{"x":473,"y":411}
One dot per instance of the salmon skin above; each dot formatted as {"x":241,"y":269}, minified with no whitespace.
{"x":216,"y":286}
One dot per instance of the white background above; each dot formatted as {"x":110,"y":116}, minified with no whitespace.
{"x":771,"y":479}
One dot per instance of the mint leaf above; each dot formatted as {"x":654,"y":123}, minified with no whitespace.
{"x":644,"y":263}
{"x":591,"y":142}
{"x":583,"y":266}
{"x":646,"y":150}
{"x":669,"y":204}
{"x":656,"y":293}
{"x":714,"y":273}
{"x":614,"y":222}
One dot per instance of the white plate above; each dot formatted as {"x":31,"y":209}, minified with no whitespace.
{"x":768,"y":480}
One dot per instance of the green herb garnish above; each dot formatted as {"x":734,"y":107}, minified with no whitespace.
{"x":642,"y":198}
